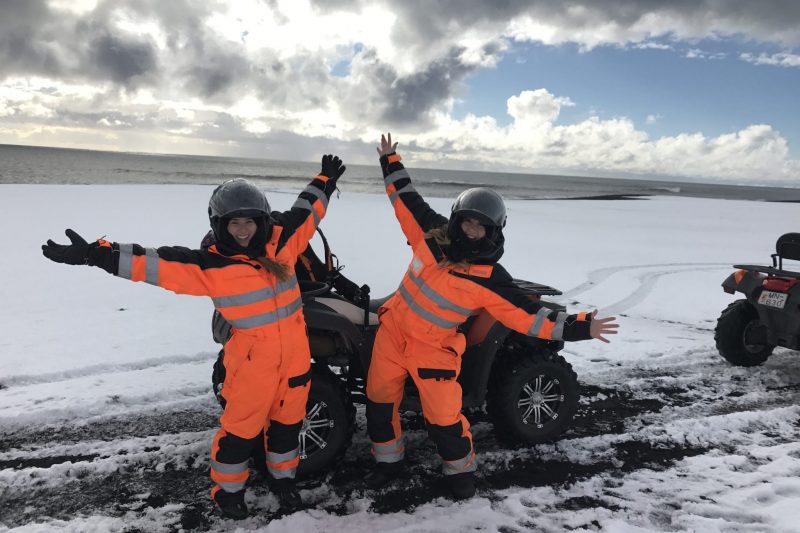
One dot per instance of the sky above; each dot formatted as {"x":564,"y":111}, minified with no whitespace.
{"x":703,"y":90}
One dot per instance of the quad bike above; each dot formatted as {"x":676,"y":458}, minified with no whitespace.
{"x":749,"y":329}
{"x":529,"y":390}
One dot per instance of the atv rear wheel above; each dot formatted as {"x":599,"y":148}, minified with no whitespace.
{"x":532,"y":397}
{"x":740,"y":336}
{"x":327,"y":428}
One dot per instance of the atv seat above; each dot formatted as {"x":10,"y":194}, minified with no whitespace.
{"x":349,"y":310}
{"x":787,"y":247}
{"x":376,"y":303}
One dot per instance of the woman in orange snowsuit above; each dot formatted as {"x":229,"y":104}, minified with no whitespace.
{"x":249,"y":276}
{"x":453,"y":274}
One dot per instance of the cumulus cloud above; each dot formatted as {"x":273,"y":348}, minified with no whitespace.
{"x":782,"y":59}
{"x":194,"y":75}
{"x":534,"y":142}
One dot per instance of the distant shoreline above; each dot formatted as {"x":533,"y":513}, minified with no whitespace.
{"x":24,"y":164}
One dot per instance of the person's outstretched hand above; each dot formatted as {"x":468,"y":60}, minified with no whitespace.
{"x":76,"y":253}
{"x":602,"y":326}
{"x":332,"y":167}
{"x":386,"y":147}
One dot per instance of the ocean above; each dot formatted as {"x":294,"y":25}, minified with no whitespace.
{"x":28,"y":164}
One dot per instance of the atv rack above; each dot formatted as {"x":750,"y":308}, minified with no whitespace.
{"x":787,"y":247}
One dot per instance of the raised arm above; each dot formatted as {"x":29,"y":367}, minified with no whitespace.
{"x":415,"y":215}
{"x":178,"y":269}
{"x":300,"y":222}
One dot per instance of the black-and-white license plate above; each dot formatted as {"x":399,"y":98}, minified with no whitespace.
{"x":773,"y":299}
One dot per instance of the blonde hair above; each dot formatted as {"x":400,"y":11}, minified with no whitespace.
{"x":279,"y":270}
{"x":441,"y":237}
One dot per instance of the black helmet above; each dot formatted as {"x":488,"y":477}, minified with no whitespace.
{"x":236,"y":198}
{"x":487,"y":207}
{"x":483,"y":204}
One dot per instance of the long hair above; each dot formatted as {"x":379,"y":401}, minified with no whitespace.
{"x":279,"y":270}
{"x":441,"y":237}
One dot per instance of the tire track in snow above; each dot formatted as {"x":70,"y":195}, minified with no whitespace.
{"x":646,"y":281}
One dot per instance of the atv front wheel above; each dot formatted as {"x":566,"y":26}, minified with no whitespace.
{"x":327,"y":428}
{"x":740,"y":336}
{"x":532,"y":398}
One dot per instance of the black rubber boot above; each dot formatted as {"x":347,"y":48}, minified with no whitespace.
{"x":287,"y":494}
{"x":231,"y":504}
{"x":382,"y":474}
{"x":462,"y":485}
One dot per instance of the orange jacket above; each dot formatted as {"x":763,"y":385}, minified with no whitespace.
{"x":249,"y":297}
{"x":433,"y":300}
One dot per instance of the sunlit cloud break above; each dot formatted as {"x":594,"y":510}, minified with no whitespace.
{"x":280,"y":78}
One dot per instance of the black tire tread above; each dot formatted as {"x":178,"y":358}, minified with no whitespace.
{"x":324,"y":375}
{"x":728,"y":335}
{"x":507,"y":368}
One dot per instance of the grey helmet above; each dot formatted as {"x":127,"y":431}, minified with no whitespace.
{"x":239,"y":197}
{"x":486,"y":206}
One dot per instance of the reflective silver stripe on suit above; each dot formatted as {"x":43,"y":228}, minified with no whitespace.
{"x":151,"y":266}
{"x":437,"y":298}
{"x":268,"y":318}
{"x":467,"y":464}
{"x":302,"y":203}
{"x":558,"y":330}
{"x":125,"y":267}
{"x":255,"y":296}
{"x":396,"y":176}
{"x":276,"y":458}
{"x":541,"y":316}
{"x":286,"y":473}
{"x":424,"y":313}
{"x":395,"y":194}
{"x":389,"y":453}
{"x":319,"y":193}
{"x":229,"y":486}
{"x":225,"y":468}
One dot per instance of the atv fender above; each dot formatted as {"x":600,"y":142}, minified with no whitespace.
{"x":749,"y":284}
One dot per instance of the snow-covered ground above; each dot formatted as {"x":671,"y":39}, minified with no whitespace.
{"x":107,"y":414}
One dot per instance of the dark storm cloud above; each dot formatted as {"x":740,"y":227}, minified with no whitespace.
{"x":412,"y":96}
{"x":26,"y":38}
{"x":423,"y":22}
{"x":121,"y":59}
{"x":36,"y":40}
{"x":211,"y":70}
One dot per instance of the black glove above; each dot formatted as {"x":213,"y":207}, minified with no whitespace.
{"x":332,"y":167}
{"x":76,"y":253}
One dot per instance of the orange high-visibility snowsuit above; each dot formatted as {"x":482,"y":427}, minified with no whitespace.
{"x":267,"y":359}
{"x":419,"y":336}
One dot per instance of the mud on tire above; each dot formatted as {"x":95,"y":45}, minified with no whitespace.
{"x":532,"y":397}
{"x":738,"y":337}
{"x":328,"y":426}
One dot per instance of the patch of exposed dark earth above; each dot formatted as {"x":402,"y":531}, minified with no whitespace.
{"x":180,"y":488}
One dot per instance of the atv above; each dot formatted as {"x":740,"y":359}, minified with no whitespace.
{"x":529,"y":390}
{"x":748,"y":330}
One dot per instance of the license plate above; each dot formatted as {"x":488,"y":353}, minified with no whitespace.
{"x":773,"y":299}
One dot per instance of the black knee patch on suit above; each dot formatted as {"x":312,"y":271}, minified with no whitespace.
{"x":282,"y":438}
{"x":234,"y":450}
{"x":449,"y":442}
{"x":379,"y":421}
